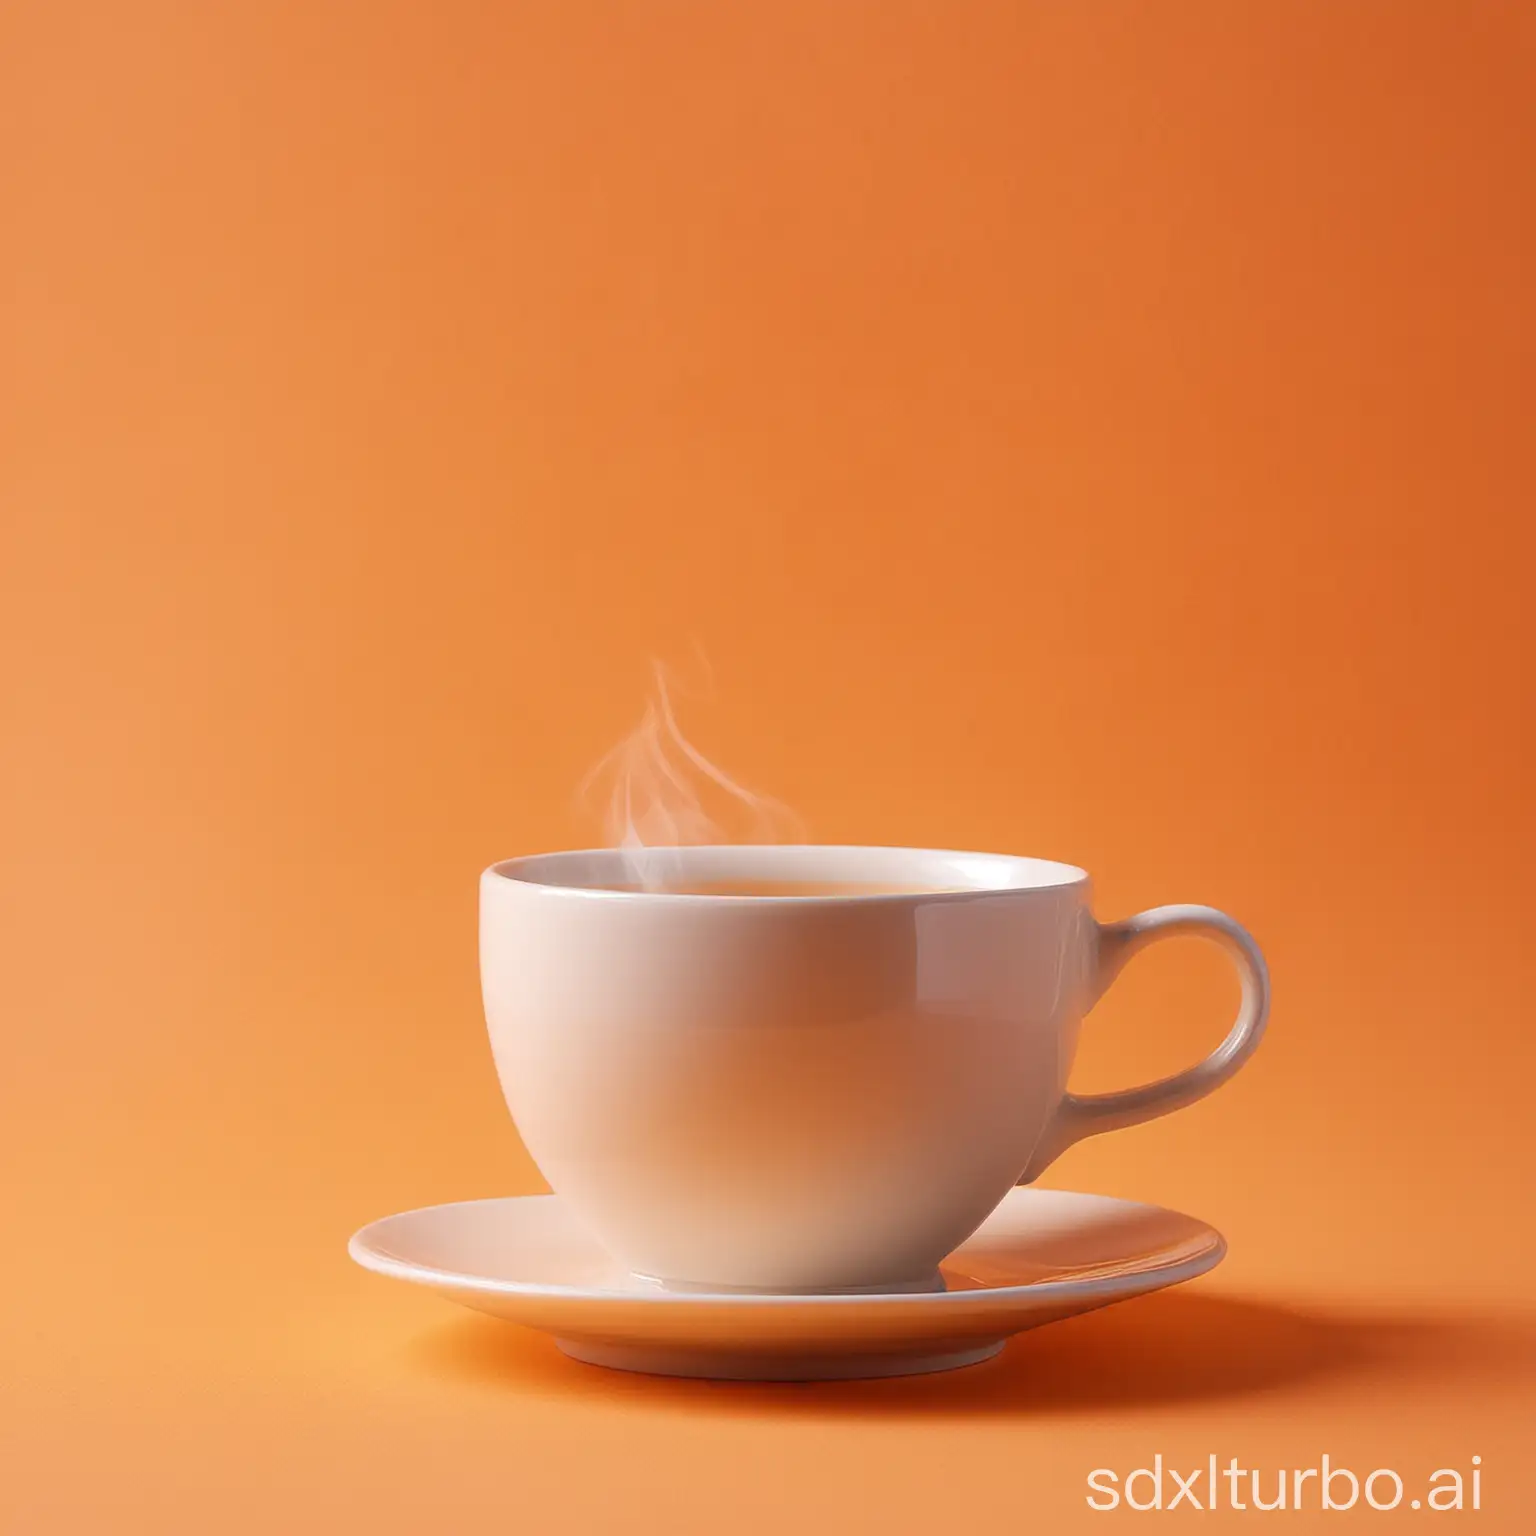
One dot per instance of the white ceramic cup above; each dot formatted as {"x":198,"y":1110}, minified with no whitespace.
{"x":811,"y":1092}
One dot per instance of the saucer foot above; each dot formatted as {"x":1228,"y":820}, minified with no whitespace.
{"x":743,"y":1365}
{"x":928,"y":1285}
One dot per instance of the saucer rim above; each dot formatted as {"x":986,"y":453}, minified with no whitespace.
{"x":1109,"y":1286}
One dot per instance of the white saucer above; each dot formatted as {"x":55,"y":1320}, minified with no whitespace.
{"x":1042,"y":1255}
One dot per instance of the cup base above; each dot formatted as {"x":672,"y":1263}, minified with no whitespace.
{"x":927,"y":1285}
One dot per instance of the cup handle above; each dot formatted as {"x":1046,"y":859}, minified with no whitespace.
{"x":1081,"y":1115}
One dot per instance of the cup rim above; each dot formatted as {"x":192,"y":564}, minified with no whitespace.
{"x":976,"y":874}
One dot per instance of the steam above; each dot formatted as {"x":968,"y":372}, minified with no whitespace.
{"x":657,"y":792}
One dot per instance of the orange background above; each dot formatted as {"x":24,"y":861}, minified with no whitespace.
{"x":1096,"y":430}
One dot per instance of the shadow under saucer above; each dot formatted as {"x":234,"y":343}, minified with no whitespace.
{"x":1174,"y":1347}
